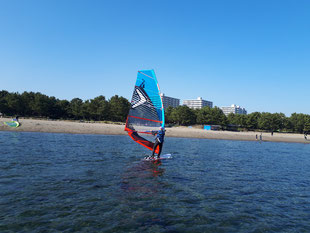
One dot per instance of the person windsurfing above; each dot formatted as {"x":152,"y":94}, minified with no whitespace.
{"x":159,"y":141}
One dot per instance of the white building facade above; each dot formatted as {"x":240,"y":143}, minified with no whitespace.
{"x":169,"y":101}
{"x":233,"y":109}
{"x":197,"y":103}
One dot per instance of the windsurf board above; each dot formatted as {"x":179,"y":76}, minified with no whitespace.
{"x":150,"y":158}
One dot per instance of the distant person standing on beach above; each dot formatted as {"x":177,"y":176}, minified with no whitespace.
{"x":16,"y":118}
{"x":261,"y":136}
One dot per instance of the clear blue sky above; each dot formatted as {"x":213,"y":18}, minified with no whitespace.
{"x":255,"y":54}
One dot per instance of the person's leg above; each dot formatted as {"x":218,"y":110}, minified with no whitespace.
{"x":154,"y":147}
{"x":160,"y":147}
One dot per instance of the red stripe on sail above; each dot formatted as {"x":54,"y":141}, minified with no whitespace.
{"x":145,"y":119}
{"x":142,"y":141}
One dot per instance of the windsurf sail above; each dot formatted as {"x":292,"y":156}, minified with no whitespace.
{"x":13,"y":124}
{"x":147,"y":110}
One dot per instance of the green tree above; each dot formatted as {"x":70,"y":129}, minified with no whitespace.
{"x":85,"y":111}
{"x":119,"y":108}
{"x":272,"y":122}
{"x":232,"y":119}
{"x":252,"y":120}
{"x":264,"y":121}
{"x":183,"y":115}
{"x":168,"y":112}
{"x":4,"y":108}
{"x":287,"y":125}
{"x":42,"y":105}
{"x":98,"y":108}
{"x":307,"y":124}
{"x":298,"y":122}
{"x":278,"y":120}
{"x":28,"y":99}
{"x":204,"y":115}
{"x":212,"y":116}
{"x":61,"y":109}
{"x":14,"y":104}
{"x":240,"y":120}
{"x":75,"y":108}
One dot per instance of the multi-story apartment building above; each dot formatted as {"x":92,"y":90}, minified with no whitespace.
{"x":197,"y":103}
{"x":233,"y":109}
{"x":169,"y":101}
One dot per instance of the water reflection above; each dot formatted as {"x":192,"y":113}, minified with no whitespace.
{"x":141,"y":178}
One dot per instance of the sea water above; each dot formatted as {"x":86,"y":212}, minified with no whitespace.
{"x":99,"y":183}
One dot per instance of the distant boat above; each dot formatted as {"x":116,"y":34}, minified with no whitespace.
{"x":147,"y":111}
{"x":13,"y":124}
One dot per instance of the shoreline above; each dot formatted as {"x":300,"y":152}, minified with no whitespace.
{"x":75,"y":127}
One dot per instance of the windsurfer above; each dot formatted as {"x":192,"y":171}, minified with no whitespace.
{"x":159,"y":141}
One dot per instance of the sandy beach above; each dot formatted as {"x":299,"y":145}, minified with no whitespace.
{"x":76,"y":127}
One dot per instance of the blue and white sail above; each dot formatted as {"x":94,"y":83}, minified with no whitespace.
{"x":147,"y":111}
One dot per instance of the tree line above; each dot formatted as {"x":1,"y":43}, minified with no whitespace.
{"x":31,"y":104}
{"x":272,"y":122}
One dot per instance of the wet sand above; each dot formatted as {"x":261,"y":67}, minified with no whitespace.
{"x":76,"y":127}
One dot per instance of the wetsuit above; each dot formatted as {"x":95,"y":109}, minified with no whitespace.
{"x":159,"y":141}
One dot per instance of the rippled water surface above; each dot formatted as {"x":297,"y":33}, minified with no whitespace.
{"x":99,"y":183}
